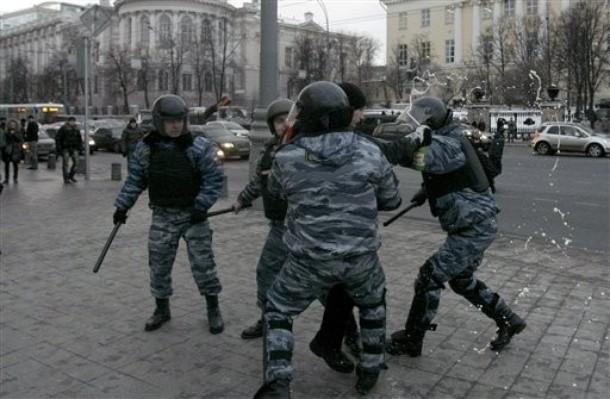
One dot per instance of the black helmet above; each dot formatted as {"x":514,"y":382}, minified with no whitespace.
{"x":277,"y":107}
{"x":321,"y":106}
{"x":169,"y":106}
{"x":429,"y":111}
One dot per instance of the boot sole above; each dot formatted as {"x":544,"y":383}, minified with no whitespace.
{"x":153,"y":327}
{"x":217,"y":330}
{"x":343,"y":368}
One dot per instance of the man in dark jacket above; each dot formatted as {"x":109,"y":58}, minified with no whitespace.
{"x":130,"y":138}
{"x":31,"y":137}
{"x":69,"y":143}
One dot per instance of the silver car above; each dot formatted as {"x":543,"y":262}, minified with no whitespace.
{"x":569,"y":137}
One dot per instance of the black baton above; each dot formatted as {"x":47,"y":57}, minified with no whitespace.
{"x":100,"y":259}
{"x":399,"y":214}
{"x":226,"y":210}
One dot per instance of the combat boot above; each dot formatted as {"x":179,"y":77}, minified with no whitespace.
{"x":334,"y":358}
{"x":160,"y":316}
{"x":366,"y":379}
{"x":214,"y":317}
{"x":508,"y":326}
{"x":405,"y":342}
{"x":254,"y":331}
{"x":278,"y":389}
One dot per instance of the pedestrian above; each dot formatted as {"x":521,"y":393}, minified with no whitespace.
{"x":512,"y":130}
{"x":130,"y":137}
{"x":13,"y":153}
{"x":31,"y":138}
{"x":458,"y":194}
{"x":274,"y":251}
{"x":481,"y":126}
{"x":500,"y":127}
{"x":68,"y":144}
{"x":184,"y":180}
{"x":334,"y":182}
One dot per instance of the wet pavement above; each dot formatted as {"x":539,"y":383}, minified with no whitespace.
{"x":66,"y":332}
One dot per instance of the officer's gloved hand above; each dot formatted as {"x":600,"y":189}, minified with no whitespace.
{"x":119,"y":217}
{"x":198,"y":216}
{"x":423,"y":134}
{"x":420,"y":197}
{"x":237,"y":206}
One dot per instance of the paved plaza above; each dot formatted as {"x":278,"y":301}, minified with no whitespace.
{"x":66,"y":332}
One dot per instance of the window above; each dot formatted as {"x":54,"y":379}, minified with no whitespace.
{"x":187,"y":82}
{"x":509,"y":7}
{"x":531,"y":7}
{"x":449,"y":13}
{"x":449,"y":51}
{"x":402,"y":55}
{"x":553,"y":130}
{"x":570,"y":131}
{"x":162,"y":80}
{"x":128,"y":32}
{"x":402,"y":21}
{"x":186,"y":30}
{"x":288,"y":56}
{"x":141,"y":80}
{"x":145,"y":29}
{"x":96,"y":84}
{"x":207,"y":82}
{"x":425,"y":17}
{"x":425,"y":51}
{"x":488,"y":48}
{"x":165,"y":29}
{"x":206,"y":31}
{"x":487,"y":11}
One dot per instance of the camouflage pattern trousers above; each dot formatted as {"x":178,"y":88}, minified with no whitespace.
{"x":455,"y":262}
{"x":168,"y":226}
{"x":300,"y":282}
{"x":270,"y":262}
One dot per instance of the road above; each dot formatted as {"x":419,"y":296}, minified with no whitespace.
{"x":563,"y":199}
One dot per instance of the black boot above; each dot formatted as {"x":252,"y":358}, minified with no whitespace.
{"x":366,"y":380}
{"x":335,"y":358}
{"x":214,"y":317}
{"x":278,"y":389}
{"x":352,"y":337}
{"x":405,"y":342}
{"x":160,"y":316}
{"x":254,"y":331}
{"x":507,"y":327}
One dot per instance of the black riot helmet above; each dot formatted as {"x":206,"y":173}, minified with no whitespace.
{"x":429,"y":111}
{"x":321,"y":106}
{"x":169,"y":106}
{"x":276,"y":108}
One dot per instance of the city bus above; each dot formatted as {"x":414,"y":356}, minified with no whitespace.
{"x":43,"y":113}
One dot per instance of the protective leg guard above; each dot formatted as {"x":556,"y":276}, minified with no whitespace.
{"x":216,"y":324}
{"x":278,"y":389}
{"x":160,"y":315}
{"x":507,"y":327}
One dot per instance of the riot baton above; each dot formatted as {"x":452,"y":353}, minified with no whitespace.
{"x":226,"y":210}
{"x":400,"y":213}
{"x":100,"y":259}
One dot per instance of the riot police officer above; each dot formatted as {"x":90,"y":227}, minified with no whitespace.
{"x":458,"y":194}
{"x":184,"y":180}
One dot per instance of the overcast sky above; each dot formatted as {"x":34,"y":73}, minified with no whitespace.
{"x":353,"y":16}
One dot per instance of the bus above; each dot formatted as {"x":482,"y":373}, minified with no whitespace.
{"x":43,"y":113}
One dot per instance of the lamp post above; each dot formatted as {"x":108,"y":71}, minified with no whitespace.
{"x":321,"y":3}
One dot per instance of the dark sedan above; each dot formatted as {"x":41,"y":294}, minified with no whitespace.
{"x":229,"y":143}
{"x":108,"y":138}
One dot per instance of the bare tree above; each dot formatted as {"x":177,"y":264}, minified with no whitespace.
{"x":310,"y":56}
{"x":582,"y":35}
{"x":121,"y":75}
{"x":16,"y":83}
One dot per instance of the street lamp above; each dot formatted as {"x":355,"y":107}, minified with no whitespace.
{"x":321,"y":3}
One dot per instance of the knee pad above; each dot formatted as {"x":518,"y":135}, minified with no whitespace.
{"x":426,"y":281}
{"x":464,"y":283}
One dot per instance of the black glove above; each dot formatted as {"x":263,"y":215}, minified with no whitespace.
{"x":198,"y":216}
{"x":420,"y":197}
{"x":119,"y":217}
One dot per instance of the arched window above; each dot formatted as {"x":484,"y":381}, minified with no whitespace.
{"x":145,"y":29}
{"x":206,"y":31}
{"x":128,"y":31}
{"x":186,"y":29}
{"x":165,"y":29}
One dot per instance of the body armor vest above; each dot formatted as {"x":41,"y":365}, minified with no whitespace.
{"x":172,"y":180}
{"x":275,"y":209}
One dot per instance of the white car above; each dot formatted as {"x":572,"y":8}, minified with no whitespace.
{"x":233,"y":127}
{"x":569,"y":137}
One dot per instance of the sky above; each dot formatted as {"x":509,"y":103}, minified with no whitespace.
{"x":350,"y":16}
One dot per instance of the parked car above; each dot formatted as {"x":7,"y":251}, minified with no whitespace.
{"x":230,"y":144}
{"x":235,"y":128}
{"x":46,"y":145}
{"x":108,"y":138}
{"x":373,"y":118}
{"x":569,"y":137}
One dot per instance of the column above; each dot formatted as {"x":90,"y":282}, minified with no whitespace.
{"x":458,"y":34}
{"x":476,"y":27}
